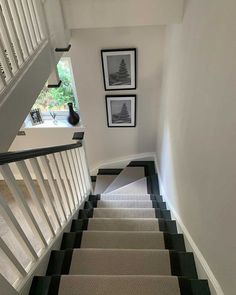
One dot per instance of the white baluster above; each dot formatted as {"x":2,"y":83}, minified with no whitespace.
{"x":12,"y":30}
{"x":4,"y":62}
{"x":63,"y":172}
{"x":73,"y":170}
{"x":25,"y":27}
{"x":7,"y":43}
{"x":19,"y":197}
{"x":12,"y":258}
{"x":78,"y":176}
{"x":16,"y":229}
{"x":29,"y":21}
{"x":34,"y":20}
{"x":54,"y":187}
{"x":39,"y":176}
{"x":19,"y":28}
{"x":55,"y":168}
{"x":80,"y":166}
{"x":37,"y":199}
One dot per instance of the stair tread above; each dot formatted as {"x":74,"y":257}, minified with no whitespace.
{"x":120,"y":262}
{"x":136,"y":187}
{"x":119,"y":285}
{"x":102,"y":182}
{"x":124,"y":204}
{"x":123,"y":224}
{"x":123,"y":240}
{"x":127,"y":176}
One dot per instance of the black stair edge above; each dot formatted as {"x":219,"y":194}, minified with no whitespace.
{"x":55,"y":85}
{"x":163,"y":214}
{"x":193,"y":287}
{"x":183,"y":264}
{"x":85,"y":213}
{"x":109,"y":171}
{"x":49,"y":285}
{"x":59,"y":262}
{"x":65,"y":49}
{"x":79,"y":225}
{"x":174,"y":242}
{"x":71,"y":240}
{"x":93,"y":178}
{"x":46,"y":285}
{"x":168,"y":226}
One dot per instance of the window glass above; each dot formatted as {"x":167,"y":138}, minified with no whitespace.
{"x":56,"y":99}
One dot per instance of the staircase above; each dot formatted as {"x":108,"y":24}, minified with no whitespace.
{"x":123,"y":242}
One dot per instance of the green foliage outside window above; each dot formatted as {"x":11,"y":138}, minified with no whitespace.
{"x":56,"y":99}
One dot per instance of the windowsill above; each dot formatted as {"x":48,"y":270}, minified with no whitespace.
{"x":51,"y":124}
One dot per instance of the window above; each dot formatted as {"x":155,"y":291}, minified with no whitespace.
{"x":54,"y":100}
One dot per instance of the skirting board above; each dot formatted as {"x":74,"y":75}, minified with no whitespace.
{"x":122,"y":161}
{"x":203,"y":268}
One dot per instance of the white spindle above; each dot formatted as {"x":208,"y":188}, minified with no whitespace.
{"x":78,"y":176}
{"x":8,"y":43}
{"x":69,"y":177}
{"x":81,"y":171}
{"x":86,"y":167}
{"x":11,"y":221}
{"x":2,"y":80}
{"x":34,"y":20}
{"x":37,"y":200}
{"x":75,"y":179}
{"x":12,"y":258}
{"x":29,"y":22}
{"x":19,"y":197}
{"x":63,"y":175}
{"x":12,"y":30}
{"x":4,"y":62}
{"x":25,"y":27}
{"x":19,"y":28}
{"x":40,"y":17}
{"x":39,"y":176}
{"x":55,"y":168}
{"x":53,"y":187}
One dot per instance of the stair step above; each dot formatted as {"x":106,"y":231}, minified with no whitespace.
{"x":124,"y":204}
{"x":122,"y":262}
{"x":127,"y":176}
{"x":126,"y":224}
{"x":117,"y":285}
{"x":136,"y":187}
{"x":123,"y":240}
{"x":102,"y":182}
{"x":127,"y":197}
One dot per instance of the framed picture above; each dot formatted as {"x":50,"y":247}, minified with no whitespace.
{"x":35,"y":116}
{"x":119,"y":69}
{"x":121,"y":110}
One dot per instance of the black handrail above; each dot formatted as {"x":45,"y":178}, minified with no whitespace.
{"x":11,"y":157}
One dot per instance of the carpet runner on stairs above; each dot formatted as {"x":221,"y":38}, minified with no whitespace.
{"x":124,"y":242}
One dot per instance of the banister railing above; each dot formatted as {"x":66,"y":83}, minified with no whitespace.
{"x":40,"y":192}
{"x":21,"y":34}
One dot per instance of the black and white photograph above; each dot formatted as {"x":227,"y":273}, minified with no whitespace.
{"x":35,"y":116}
{"x":119,"y":69}
{"x":121,"y":111}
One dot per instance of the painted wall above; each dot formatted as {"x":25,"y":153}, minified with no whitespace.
{"x":196,"y":143}
{"x":105,"y":144}
{"x":121,"y":13}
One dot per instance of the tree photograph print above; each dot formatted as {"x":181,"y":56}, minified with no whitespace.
{"x":121,"y":111}
{"x":119,"y":69}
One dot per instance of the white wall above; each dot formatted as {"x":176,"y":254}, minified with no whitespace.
{"x":103,"y":143}
{"x":196,"y":144}
{"x":120,"y":13}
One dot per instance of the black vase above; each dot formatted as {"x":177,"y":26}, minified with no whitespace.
{"x":73,"y":117}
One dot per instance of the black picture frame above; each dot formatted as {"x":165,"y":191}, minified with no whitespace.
{"x":121,"y":111}
{"x":119,"y":69}
{"x":36,"y":117}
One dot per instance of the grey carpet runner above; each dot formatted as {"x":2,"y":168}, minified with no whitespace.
{"x":123,"y":243}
